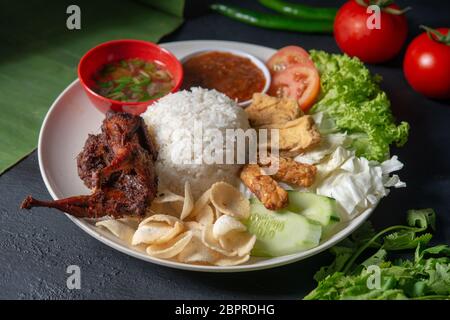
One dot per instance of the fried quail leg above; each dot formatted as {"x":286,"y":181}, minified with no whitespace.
{"x":264,"y":187}
{"x":79,"y":206}
{"x":107,"y":202}
{"x":293,"y":172}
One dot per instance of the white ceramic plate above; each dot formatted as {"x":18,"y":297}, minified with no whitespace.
{"x":65,"y":129}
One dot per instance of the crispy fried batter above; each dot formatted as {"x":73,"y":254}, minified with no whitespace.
{"x":266,"y":110}
{"x":293,"y":172}
{"x":296,"y":136}
{"x":264,"y":187}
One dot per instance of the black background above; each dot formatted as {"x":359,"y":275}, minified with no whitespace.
{"x":36,"y":247}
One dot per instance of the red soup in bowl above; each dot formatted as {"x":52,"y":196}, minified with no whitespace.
{"x":128,"y":75}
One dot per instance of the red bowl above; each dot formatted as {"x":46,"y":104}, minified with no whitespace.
{"x":111,"y":51}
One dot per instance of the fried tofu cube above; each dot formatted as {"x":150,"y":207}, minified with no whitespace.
{"x":266,"y":110}
{"x":296,"y":136}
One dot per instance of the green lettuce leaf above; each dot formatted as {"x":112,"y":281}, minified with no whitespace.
{"x":351,"y":95}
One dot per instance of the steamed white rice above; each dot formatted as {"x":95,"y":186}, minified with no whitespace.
{"x":173,"y":121}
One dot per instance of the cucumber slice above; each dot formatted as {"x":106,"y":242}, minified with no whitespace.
{"x":281,"y":232}
{"x":321,"y":209}
{"x":318,"y":208}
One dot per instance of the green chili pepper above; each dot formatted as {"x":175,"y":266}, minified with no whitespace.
{"x":271,"y":21}
{"x":138,"y":62}
{"x":299,"y":10}
{"x":123,"y":80}
{"x":119,"y":88}
{"x":137,"y":89}
{"x":145,"y":81}
{"x":115,"y":95}
{"x":105,"y":84}
{"x":158,"y":95}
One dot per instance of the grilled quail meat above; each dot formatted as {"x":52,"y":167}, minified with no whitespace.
{"x":118,"y":165}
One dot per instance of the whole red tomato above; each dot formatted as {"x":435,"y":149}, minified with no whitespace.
{"x":427,"y":65}
{"x":370,"y":45}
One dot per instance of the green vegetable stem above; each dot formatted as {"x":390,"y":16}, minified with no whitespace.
{"x":297,"y":10}
{"x":385,"y":5}
{"x":271,"y":21}
{"x":437,"y":36}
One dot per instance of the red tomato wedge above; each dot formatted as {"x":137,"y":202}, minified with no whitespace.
{"x":294,"y":75}
{"x":288,"y":56}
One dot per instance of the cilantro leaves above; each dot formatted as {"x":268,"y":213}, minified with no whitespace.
{"x":427,"y":276}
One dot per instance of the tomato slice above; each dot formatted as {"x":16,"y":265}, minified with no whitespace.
{"x":288,"y":56}
{"x":300,"y":82}
{"x":294,"y":75}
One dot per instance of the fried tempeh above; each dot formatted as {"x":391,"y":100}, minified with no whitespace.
{"x":264,"y":187}
{"x":293,"y":172}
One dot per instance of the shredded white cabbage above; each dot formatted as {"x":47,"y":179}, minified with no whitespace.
{"x":330,"y":140}
{"x":355,"y":182}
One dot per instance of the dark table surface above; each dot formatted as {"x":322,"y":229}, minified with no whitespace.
{"x":37,"y":247}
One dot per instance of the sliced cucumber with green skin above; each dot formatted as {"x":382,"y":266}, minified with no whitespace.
{"x":282,"y":232}
{"x":318,"y":208}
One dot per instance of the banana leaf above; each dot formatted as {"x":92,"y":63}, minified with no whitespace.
{"x":175,"y":7}
{"x":39,"y":55}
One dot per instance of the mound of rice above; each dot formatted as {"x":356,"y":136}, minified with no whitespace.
{"x":174,"y":119}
